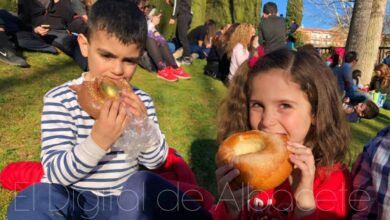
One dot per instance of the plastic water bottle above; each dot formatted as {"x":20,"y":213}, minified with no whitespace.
{"x":139,"y":134}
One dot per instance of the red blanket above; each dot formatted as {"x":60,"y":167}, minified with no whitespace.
{"x":20,"y":175}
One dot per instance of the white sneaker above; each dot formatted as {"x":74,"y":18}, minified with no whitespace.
{"x":178,"y":53}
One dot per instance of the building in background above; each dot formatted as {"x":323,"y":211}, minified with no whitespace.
{"x":323,"y":37}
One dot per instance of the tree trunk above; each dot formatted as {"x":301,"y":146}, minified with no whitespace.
{"x":359,"y":26}
{"x":371,"y":45}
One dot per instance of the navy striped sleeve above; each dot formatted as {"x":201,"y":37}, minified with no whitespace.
{"x":65,"y":162}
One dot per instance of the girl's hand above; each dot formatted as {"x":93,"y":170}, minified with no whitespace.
{"x":133,"y":104}
{"x":234,"y":200}
{"x":110,"y":125}
{"x":302,"y":178}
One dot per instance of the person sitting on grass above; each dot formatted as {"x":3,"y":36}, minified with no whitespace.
{"x":285,"y":93}
{"x":8,"y":52}
{"x":380,"y":71}
{"x":85,"y":174}
{"x":366,"y":110}
{"x":158,"y":50}
{"x":237,"y":48}
{"x":201,"y":39}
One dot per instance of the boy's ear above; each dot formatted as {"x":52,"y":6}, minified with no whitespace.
{"x":83,"y":43}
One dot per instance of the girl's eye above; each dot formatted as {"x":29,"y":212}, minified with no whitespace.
{"x":256,"y":105}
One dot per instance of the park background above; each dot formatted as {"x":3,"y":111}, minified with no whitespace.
{"x":186,"y":109}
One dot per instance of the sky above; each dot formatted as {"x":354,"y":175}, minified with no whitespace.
{"x":311,"y":14}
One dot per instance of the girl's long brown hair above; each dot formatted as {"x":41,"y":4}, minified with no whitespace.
{"x":384,"y":74}
{"x":329,"y":135}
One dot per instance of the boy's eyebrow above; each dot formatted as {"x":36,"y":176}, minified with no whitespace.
{"x":128,"y":59}
{"x":132,"y":59}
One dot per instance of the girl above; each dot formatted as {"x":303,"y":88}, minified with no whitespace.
{"x":238,"y":46}
{"x":217,"y":62}
{"x":285,"y":92}
{"x":382,"y":82}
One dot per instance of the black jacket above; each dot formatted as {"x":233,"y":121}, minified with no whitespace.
{"x":35,"y":13}
{"x":181,"y":7}
{"x":272,"y":33}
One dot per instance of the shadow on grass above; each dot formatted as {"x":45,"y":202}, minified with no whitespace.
{"x":20,"y":80}
{"x":203,"y":163}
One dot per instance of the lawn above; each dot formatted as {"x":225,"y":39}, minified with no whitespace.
{"x":186,"y":111}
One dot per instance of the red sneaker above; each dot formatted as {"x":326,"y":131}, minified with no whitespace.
{"x":179,"y":73}
{"x":167,"y":75}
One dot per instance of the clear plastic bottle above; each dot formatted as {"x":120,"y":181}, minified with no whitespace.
{"x":139,"y":134}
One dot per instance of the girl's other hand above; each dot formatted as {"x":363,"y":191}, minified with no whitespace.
{"x":302,"y":178}
{"x":234,"y":200}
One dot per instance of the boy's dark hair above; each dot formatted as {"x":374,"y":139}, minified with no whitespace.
{"x":120,"y":18}
{"x":307,"y":48}
{"x":350,"y":57}
{"x":270,"y":8}
{"x":211,"y":27}
{"x":371,"y":111}
{"x":356,"y":73}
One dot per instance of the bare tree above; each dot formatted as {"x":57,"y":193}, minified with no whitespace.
{"x":359,"y":25}
{"x":339,"y":12}
{"x":371,"y":45}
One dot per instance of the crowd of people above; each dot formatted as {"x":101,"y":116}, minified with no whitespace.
{"x":270,"y":88}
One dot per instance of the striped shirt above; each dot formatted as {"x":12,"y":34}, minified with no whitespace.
{"x":371,"y":179}
{"x":70,"y":156}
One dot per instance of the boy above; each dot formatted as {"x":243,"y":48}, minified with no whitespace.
{"x":84,"y":174}
{"x":367,"y":110}
{"x":272,"y":29}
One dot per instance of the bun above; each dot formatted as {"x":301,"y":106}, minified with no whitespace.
{"x":262,"y":158}
{"x":91,"y":95}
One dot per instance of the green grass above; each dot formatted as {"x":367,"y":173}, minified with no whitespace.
{"x":186,"y":111}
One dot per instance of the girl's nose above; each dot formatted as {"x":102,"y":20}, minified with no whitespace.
{"x":267,"y":120}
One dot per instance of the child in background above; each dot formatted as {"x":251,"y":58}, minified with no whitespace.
{"x":158,"y":50}
{"x":380,"y":71}
{"x":238,"y":47}
{"x":285,"y":93}
{"x":85,"y":173}
{"x":366,"y":110}
{"x":272,"y":28}
{"x":382,"y":83}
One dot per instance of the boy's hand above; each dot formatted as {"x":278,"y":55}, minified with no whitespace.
{"x":172,"y":21}
{"x":234,"y":200}
{"x":302,"y":178}
{"x":40,"y":30}
{"x":110,"y":125}
{"x":133,"y":104}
